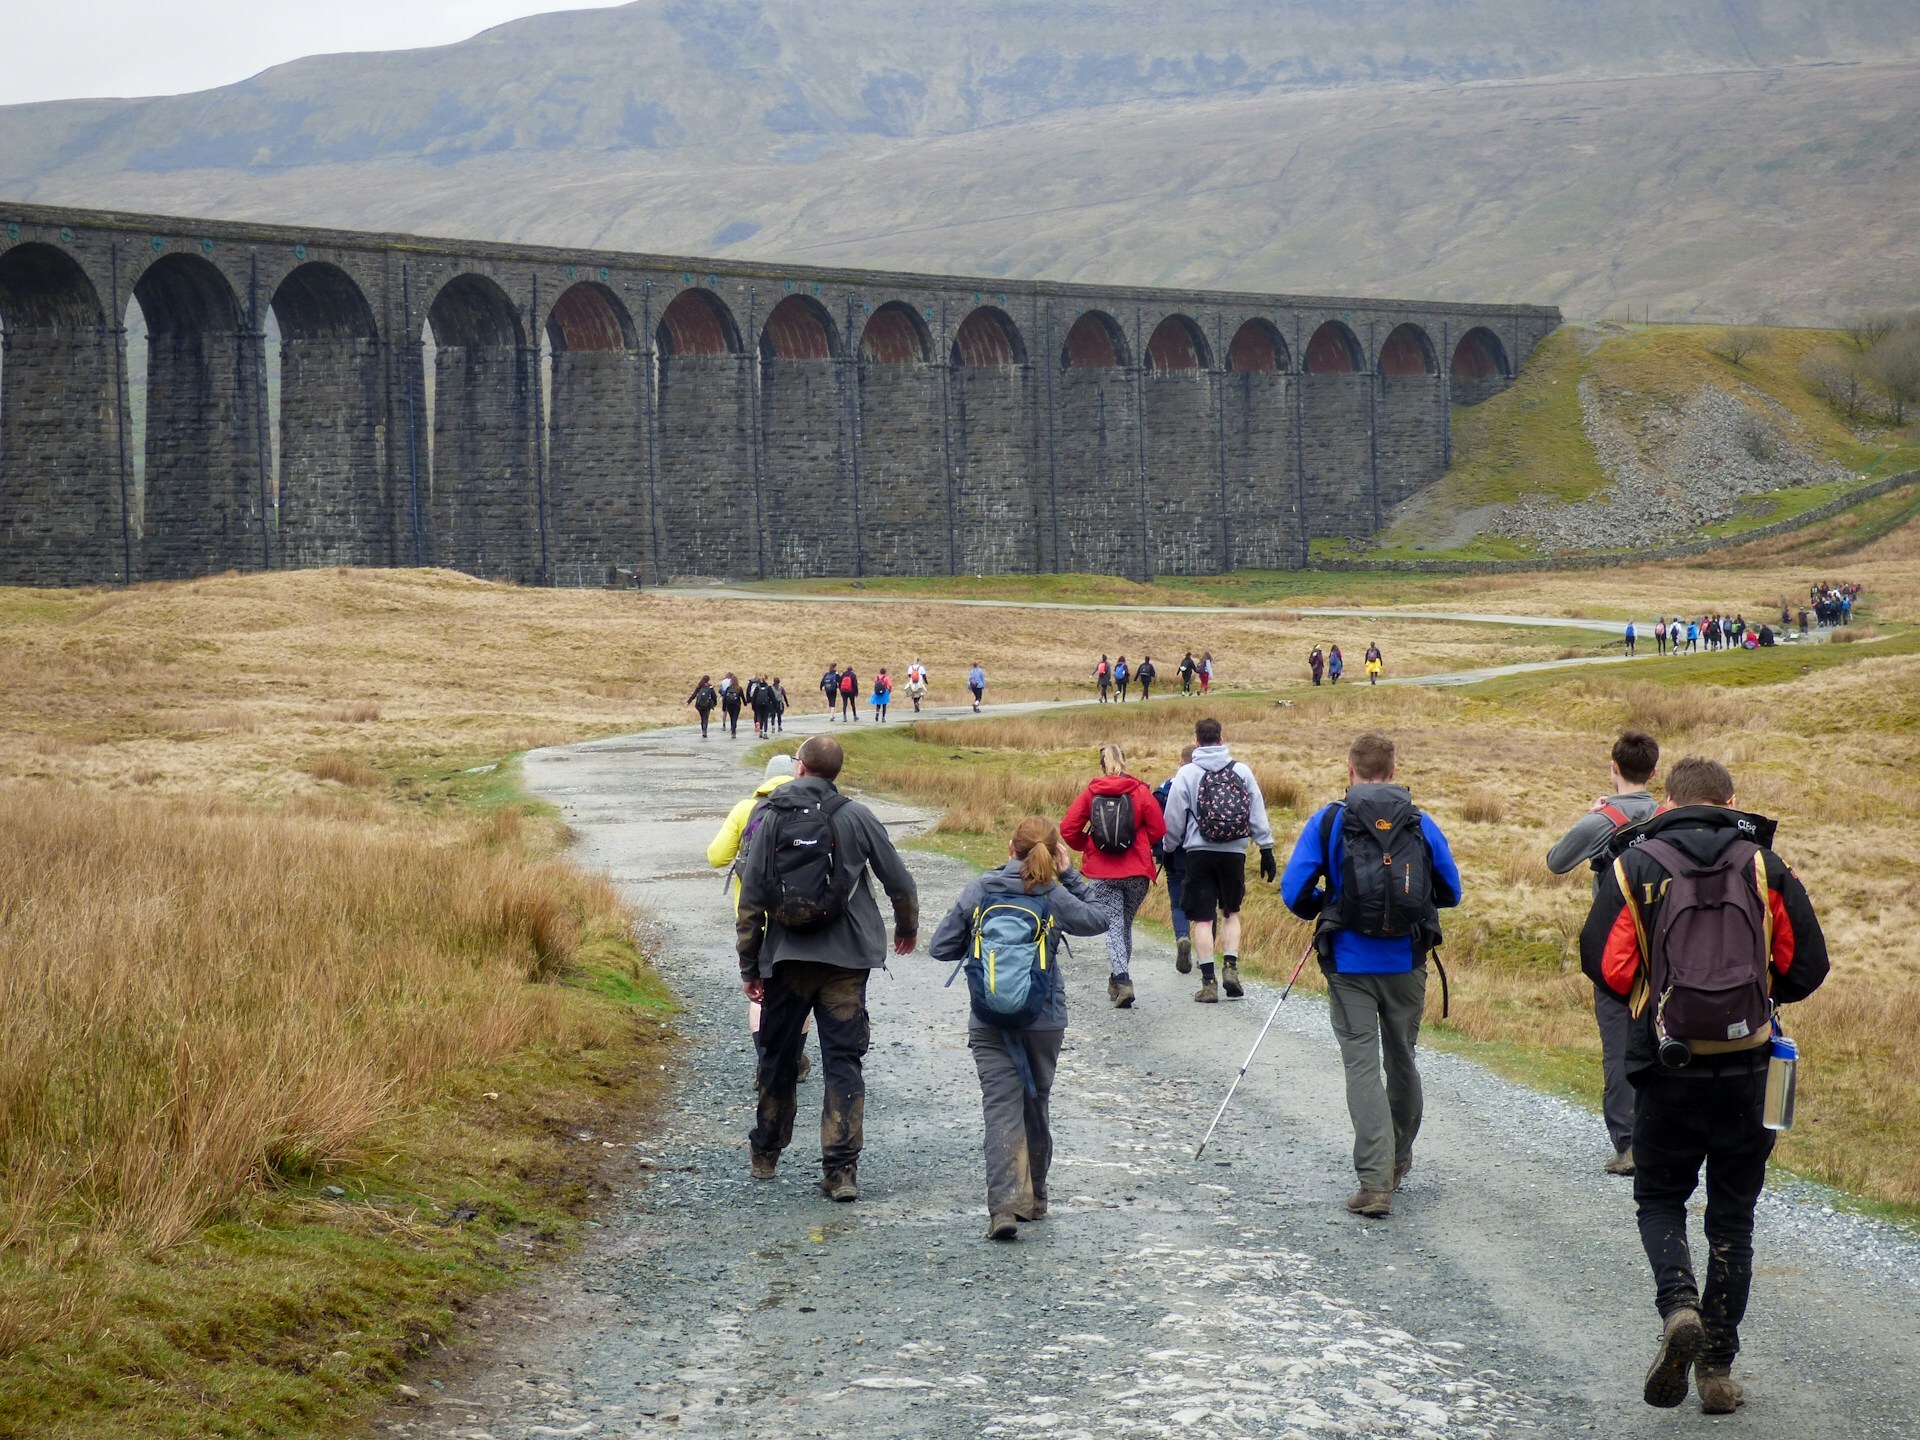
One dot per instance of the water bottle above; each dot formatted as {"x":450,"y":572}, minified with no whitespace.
{"x":1781,"y":1065}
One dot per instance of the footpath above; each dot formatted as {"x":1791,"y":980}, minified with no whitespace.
{"x":1506,"y":1297}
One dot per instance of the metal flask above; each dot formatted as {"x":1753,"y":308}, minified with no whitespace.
{"x":1781,"y":1067}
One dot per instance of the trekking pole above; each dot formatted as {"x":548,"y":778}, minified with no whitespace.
{"x":1271,"y":1016}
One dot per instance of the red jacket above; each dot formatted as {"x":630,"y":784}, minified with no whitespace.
{"x":1149,"y":828}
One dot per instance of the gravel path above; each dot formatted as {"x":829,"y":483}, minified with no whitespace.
{"x":1506,"y":1297}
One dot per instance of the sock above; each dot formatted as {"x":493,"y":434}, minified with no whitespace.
{"x":1233,"y":960}
{"x":1206,"y":972}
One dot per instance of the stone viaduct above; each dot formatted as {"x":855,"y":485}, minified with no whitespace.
{"x":571,"y":417}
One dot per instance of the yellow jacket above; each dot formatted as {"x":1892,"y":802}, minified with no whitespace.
{"x":725,"y":845}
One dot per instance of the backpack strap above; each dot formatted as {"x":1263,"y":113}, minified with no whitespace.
{"x":1619,"y":817}
{"x":1642,"y":988}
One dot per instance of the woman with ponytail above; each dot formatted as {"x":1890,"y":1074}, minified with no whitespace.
{"x":1115,"y":823}
{"x":1016,"y":1065}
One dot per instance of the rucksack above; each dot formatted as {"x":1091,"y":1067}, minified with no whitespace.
{"x":807,"y":886}
{"x":1010,"y":966}
{"x":1386,"y":872}
{"x":1223,"y":805}
{"x":704,"y":698}
{"x":1110,"y":824}
{"x":848,"y":684}
{"x":1708,"y":953}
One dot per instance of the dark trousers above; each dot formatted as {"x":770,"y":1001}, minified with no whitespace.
{"x":732,"y":719}
{"x":1019,"y":1142}
{"x":849,"y":706}
{"x":1681,"y":1123}
{"x":1146,"y":689}
{"x":1616,"y":1105}
{"x":837,"y":1000}
{"x":1176,"y":877}
{"x":703,"y":722}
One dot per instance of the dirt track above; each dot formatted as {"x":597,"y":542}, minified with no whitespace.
{"x":1507,"y":1296}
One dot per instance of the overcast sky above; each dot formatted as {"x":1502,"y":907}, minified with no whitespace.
{"x":58,"y":49}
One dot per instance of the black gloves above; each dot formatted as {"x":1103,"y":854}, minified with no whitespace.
{"x":1268,"y":870}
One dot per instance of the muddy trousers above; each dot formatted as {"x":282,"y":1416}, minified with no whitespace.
{"x":1376,"y":1019}
{"x":837,"y":1000}
{"x":1019,"y":1142}
{"x":1682,"y":1122}
{"x":1119,"y":901}
{"x":1616,"y":1105}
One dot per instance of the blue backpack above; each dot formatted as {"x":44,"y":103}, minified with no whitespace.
{"x":1010,"y":968}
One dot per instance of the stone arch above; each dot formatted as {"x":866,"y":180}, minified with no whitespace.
{"x":333,"y":509}
{"x":205,"y":500}
{"x":1334,"y":350}
{"x":1479,"y":366}
{"x":62,"y":520}
{"x":709,"y":508}
{"x":988,"y":337}
{"x":1095,"y":342}
{"x":1407,"y":351}
{"x":696,"y":322}
{"x":799,"y":328}
{"x":1177,"y":343}
{"x":896,"y":335}
{"x":1258,"y":348}
{"x":485,"y":515}
{"x":599,"y":521}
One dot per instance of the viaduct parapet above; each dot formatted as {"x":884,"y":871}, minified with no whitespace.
{"x":570,"y":417}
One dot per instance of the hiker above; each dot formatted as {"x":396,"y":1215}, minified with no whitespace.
{"x":1115,"y":823}
{"x":1635,"y":757}
{"x":1660,"y":635}
{"x":830,"y":687}
{"x":1174,"y":865}
{"x":1206,"y":672}
{"x":730,"y":701}
{"x":1316,"y":662}
{"x":1729,"y":935}
{"x":724,"y":853}
{"x":808,"y":936}
{"x":882,"y":695}
{"x":977,"y":685}
{"x":849,"y":695}
{"x":762,"y":699}
{"x":916,"y":683}
{"x":1121,"y":675}
{"x":1213,"y":808}
{"x":703,"y":699}
{"x":1146,"y":675}
{"x":1374,"y":873}
{"x":1693,"y":636}
{"x":1187,"y":671}
{"x":1336,"y":665}
{"x":1103,"y":678}
{"x":1015,"y":1031}
{"x":779,"y":705}
{"x":1631,"y":633}
{"x":1375,"y":663}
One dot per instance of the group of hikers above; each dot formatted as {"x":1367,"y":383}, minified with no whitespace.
{"x":765,"y":698}
{"x":1832,"y":605}
{"x":1696,"y":934}
{"x":1333,"y":665}
{"x":1112,"y":678}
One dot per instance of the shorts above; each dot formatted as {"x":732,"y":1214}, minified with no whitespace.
{"x":1216,"y":881}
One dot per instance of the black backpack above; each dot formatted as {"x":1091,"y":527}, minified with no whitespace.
{"x":1386,"y":874}
{"x":1110,"y":824}
{"x":704,"y":698}
{"x":807,"y":886}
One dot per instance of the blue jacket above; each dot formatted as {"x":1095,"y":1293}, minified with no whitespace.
{"x":1360,"y":954}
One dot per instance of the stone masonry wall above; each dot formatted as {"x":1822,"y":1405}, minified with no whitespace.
{"x":332,"y":509}
{"x":484,"y":516}
{"x":597,"y":502}
{"x":1262,"y":502}
{"x":902,"y":471}
{"x":204,"y":486}
{"x":997,"y":527}
{"x":1096,"y":475}
{"x":709,"y":513}
{"x":806,"y":470}
{"x":59,"y":523}
{"x":1407,"y":423}
{"x":1184,"y":501}
{"x":1337,"y":454}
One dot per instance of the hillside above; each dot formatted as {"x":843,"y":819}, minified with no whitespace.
{"x":1689,"y":157}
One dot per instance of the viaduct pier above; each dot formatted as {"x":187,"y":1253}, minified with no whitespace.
{"x":544,"y":415}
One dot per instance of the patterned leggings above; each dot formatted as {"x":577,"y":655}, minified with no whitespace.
{"x":1120,"y":900}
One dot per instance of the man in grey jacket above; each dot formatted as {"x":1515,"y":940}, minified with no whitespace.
{"x":1636,"y":755}
{"x":820,"y":971}
{"x":1216,"y":854}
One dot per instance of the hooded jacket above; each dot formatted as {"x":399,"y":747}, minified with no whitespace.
{"x":1068,"y":900}
{"x":857,"y":940}
{"x":1180,"y":821}
{"x":724,"y":848}
{"x":1613,"y":950}
{"x":1149,"y":828}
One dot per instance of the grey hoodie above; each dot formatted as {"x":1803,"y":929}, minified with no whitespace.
{"x":1186,"y":790}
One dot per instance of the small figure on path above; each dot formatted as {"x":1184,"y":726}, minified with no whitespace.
{"x":703,"y":699}
{"x":849,"y":696}
{"x":1103,"y":678}
{"x":830,"y":687}
{"x":1631,"y":633}
{"x":1316,"y":663}
{"x":977,"y":685}
{"x":1116,"y":824}
{"x":1018,"y":1012}
{"x":1375,"y":663}
{"x":1121,"y":677}
{"x":1146,"y":675}
{"x":1188,"y":669}
{"x":1206,"y":672}
{"x":916,"y":683}
{"x":1336,"y":665}
{"x":730,"y":701}
{"x":882,"y":695}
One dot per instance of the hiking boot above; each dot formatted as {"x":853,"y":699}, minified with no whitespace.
{"x":1120,"y":991}
{"x":1680,"y":1341}
{"x":1003,"y":1227}
{"x":1621,"y":1164}
{"x":1183,"y":956}
{"x":764,"y":1164}
{"x":1400,"y":1172}
{"x":1207,"y":994}
{"x":1230,"y":980}
{"x":1720,"y":1393}
{"x":1374,"y":1204}
{"x":806,"y":1067}
{"x":839,"y":1185}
